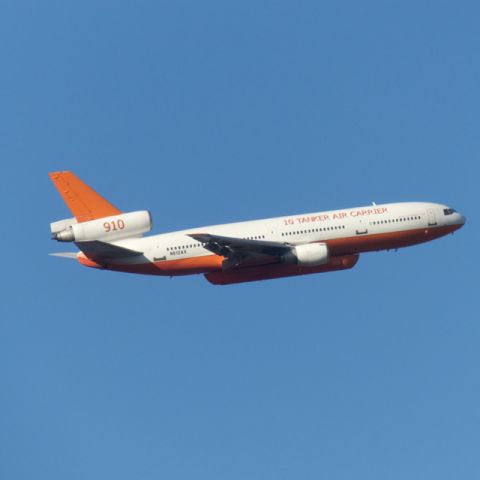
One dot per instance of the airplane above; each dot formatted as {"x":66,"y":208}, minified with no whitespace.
{"x":291,"y":245}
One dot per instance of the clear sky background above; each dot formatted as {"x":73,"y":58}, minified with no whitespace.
{"x":218,"y":111}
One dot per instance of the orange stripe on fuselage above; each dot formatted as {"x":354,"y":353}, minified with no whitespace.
{"x":84,"y":260}
{"x":384,"y":241}
{"x":183,"y":266}
{"x":337,"y":247}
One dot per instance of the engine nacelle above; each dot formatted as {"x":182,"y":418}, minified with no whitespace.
{"x":108,"y":229}
{"x":309,"y":255}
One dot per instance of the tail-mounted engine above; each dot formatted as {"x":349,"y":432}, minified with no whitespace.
{"x":117,"y":227}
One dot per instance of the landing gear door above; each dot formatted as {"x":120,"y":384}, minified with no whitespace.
{"x":431,"y":217}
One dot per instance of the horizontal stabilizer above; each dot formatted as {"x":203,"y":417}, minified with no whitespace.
{"x":99,"y":251}
{"x":71,"y":255}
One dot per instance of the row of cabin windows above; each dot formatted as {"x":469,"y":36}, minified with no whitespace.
{"x":394,"y":220}
{"x":193,"y":245}
{"x":313,"y":230}
{"x":184,"y":247}
{"x":261,"y":237}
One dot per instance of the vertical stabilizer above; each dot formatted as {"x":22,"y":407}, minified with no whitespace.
{"x":84,"y":202}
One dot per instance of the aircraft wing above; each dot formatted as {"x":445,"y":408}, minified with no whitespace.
{"x":239,"y":251}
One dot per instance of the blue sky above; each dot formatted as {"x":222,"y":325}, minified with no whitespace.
{"x":210,"y":112}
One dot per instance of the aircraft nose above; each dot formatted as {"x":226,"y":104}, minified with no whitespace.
{"x":460,"y":220}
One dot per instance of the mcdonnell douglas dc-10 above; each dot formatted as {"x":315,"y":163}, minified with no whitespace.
{"x":244,"y":251}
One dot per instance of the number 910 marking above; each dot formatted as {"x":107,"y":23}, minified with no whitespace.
{"x":114,"y":225}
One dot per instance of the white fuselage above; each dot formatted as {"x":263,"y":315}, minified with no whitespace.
{"x":328,"y":226}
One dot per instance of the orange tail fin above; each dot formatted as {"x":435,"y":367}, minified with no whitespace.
{"x":84,"y":202}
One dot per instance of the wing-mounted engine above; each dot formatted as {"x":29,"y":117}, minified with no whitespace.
{"x":309,"y":255}
{"x":107,"y":229}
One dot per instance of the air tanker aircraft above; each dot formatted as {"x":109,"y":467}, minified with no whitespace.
{"x":245,"y":251}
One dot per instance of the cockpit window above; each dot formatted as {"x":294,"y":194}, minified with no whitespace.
{"x":448,"y":211}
